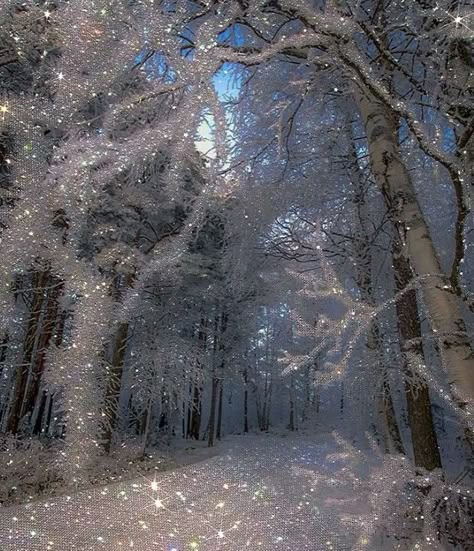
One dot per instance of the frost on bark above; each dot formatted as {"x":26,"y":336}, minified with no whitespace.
{"x":420,"y":418}
{"x":417,"y":245}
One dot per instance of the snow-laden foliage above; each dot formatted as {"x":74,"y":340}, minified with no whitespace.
{"x":227,"y":216}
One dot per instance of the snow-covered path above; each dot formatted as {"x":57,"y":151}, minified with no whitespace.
{"x":268,"y":493}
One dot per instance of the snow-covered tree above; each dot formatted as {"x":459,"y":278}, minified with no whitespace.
{"x":231,"y":216}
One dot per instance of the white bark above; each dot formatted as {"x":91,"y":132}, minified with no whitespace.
{"x":443,"y":306}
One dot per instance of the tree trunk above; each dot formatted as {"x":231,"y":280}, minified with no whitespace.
{"x":146,"y":425}
{"x":3,"y":355}
{"x":364,"y":277}
{"x":291,"y":421}
{"x":194,"y":427}
{"x":115,"y":372}
{"x":222,"y":352}
{"x":3,"y":350}
{"x":393,"y":438}
{"x":189,"y":411}
{"x":259,"y":409}
{"x":416,"y":244}
{"x":49,"y":415}
{"x":246,"y":401}
{"x":212,"y":414}
{"x":39,"y":282}
{"x":47,"y":399}
{"x":114,"y":383}
{"x":164,"y":420}
{"x":48,"y":325}
{"x":215,"y":383}
{"x":183,"y":419}
{"x":425,"y":445}
{"x":219,"y":410}
{"x":268,"y":406}
{"x":341,"y":402}
{"x":38,"y":426}
{"x":391,"y":432}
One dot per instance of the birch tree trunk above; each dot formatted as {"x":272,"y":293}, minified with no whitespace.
{"x":417,"y":245}
{"x":390,"y":430}
{"x":420,"y":417}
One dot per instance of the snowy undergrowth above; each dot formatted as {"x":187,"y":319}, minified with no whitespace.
{"x":416,"y":509}
{"x":31,"y":468}
{"x":384,"y":501}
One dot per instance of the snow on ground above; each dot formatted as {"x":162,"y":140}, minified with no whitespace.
{"x":261,"y":493}
{"x":31,"y":470}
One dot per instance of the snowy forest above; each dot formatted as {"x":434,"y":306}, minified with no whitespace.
{"x":237,"y":256}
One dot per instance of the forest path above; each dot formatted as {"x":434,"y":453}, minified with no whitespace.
{"x":261,"y":493}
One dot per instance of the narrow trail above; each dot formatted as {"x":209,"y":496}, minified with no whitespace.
{"x":260,"y":493}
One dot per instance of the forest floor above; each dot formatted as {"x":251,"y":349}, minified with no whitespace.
{"x":263,"y":492}
{"x":31,"y":470}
